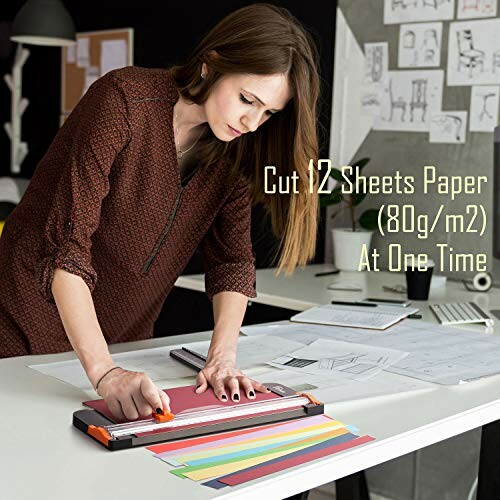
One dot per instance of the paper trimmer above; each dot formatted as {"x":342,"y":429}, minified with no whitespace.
{"x":195,"y":417}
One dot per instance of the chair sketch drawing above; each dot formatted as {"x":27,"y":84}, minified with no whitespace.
{"x":434,"y":3}
{"x":468,"y":55}
{"x":496,"y":60}
{"x":471,"y":5}
{"x":446,"y":123}
{"x":418,"y":97}
{"x":484,"y":110}
{"x":403,"y":4}
{"x":377,"y":64}
{"x":398,"y":103}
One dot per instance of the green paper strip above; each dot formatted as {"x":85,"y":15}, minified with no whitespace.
{"x":293,"y":446}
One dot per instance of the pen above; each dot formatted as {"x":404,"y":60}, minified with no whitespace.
{"x":199,"y":356}
{"x":364,"y":304}
{"x":327,"y":273}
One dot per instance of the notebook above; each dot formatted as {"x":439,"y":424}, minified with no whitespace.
{"x":379,"y":317}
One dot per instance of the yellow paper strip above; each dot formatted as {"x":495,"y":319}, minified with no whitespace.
{"x":229,"y":468}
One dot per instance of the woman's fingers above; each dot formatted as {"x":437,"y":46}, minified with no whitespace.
{"x":129,"y":409}
{"x":116,"y":409}
{"x":219,"y":389}
{"x":246,"y":385}
{"x":259,"y":387}
{"x":201,"y":383}
{"x":165,"y":400}
{"x":233,"y":388}
{"x":149,"y":399}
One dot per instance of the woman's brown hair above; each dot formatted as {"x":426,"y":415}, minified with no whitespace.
{"x":264,"y":39}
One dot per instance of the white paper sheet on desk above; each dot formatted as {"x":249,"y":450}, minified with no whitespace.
{"x":334,"y":359}
{"x":439,"y":354}
{"x":329,"y":390}
{"x":159,"y":365}
{"x":376,"y":317}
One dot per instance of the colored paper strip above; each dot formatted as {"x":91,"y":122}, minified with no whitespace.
{"x":191,"y":442}
{"x":260,"y":441}
{"x":228,"y":438}
{"x":226,"y":467}
{"x":321,"y":450}
{"x":275,"y":446}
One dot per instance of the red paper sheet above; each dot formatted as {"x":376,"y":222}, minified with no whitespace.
{"x":184,"y":399}
{"x":264,"y":470}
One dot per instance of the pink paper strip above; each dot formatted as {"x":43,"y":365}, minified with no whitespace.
{"x":284,"y":427}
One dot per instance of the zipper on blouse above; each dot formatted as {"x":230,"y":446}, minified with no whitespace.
{"x":159,"y":243}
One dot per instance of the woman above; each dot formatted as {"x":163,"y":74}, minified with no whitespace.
{"x":150,"y":165}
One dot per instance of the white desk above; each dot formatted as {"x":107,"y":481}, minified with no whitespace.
{"x":303,"y":290}
{"x":43,"y":457}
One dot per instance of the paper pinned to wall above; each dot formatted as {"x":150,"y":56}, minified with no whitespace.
{"x":376,"y":62}
{"x":484,"y":103}
{"x":82,"y":52}
{"x":448,"y":127}
{"x":71,"y":54}
{"x":467,"y":9}
{"x":404,"y":11}
{"x":91,"y":75}
{"x":474,"y":53}
{"x":409,"y":99}
{"x":376,"y":67}
{"x":420,"y":45}
{"x":113,"y":55}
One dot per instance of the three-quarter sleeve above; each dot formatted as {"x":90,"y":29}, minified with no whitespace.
{"x":81,"y":155}
{"x":227,"y":247}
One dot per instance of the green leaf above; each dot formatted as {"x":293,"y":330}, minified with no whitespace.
{"x":335,"y":197}
{"x":369,"y":219}
{"x":357,"y":198}
{"x":361,"y":163}
{"x":336,"y":174}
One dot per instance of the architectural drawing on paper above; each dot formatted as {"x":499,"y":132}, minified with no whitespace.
{"x":468,"y":55}
{"x":337,"y":362}
{"x":299,"y":363}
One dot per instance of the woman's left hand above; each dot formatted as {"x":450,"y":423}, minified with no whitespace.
{"x":226,"y":380}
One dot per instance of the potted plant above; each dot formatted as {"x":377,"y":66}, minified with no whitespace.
{"x":348,"y":241}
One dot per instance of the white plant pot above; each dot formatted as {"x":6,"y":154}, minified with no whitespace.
{"x":347,"y":247}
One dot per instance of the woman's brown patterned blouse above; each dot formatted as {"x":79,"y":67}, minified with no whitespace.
{"x":106,"y":203}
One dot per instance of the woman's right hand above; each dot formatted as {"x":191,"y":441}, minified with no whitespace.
{"x":131,"y":395}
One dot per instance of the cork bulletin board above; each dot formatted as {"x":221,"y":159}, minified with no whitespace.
{"x":94,"y":54}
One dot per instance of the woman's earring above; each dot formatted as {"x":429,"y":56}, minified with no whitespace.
{"x":203,"y":75}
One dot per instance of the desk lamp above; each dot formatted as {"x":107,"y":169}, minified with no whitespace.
{"x":39,"y":22}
